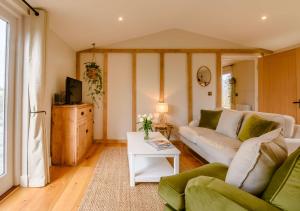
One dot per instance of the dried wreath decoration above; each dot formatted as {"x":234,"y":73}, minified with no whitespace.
{"x":93,"y":75}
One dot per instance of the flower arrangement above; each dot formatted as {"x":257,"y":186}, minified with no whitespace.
{"x":93,"y":76}
{"x":146,"y":122}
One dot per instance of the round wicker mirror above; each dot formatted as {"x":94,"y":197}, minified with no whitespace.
{"x":204,"y":76}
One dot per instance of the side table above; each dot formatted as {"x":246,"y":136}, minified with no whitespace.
{"x":164,"y":128}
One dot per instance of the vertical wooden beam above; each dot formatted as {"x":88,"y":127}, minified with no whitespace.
{"x":162,"y":78}
{"x":78,"y":65}
{"x":105,"y":96}
{"x":218,"y":80}
{"x":298,"y":82}
{"x":260,"y":85}
{"x":189,"y":86}
{"x":133,"y":87}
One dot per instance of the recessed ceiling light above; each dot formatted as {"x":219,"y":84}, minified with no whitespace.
{"x":264,"y":17}
{"x":120,"y":18}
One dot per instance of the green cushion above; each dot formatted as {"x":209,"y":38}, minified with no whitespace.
{"x":209,"y":119}
{"x":283,"y":190}
{"x":171,"y":188}
{"x":256,"y":126}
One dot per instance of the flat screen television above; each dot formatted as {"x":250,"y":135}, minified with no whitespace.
{"x":73,"y":91}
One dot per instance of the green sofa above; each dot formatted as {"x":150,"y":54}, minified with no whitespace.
{"x":204,"y":189}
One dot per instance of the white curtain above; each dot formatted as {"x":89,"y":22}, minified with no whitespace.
{"x":36,"y":159}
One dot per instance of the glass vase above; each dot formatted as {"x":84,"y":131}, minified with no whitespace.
{"x":146,"y":137}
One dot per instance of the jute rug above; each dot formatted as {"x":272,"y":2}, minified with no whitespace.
{"x":110,"y":190}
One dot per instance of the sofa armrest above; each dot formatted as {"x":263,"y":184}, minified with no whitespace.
{"x":208,"y":193}
{"x":171,"y":188}
{"x":292,"y":144}
{"x":194,"y":123}
{"x":296,"y":131}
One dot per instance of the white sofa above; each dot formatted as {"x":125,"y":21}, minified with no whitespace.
{"x":216,"y":147}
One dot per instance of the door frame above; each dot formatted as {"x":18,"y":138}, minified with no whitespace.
{"x":15,"y":81}
{"x":251,"y":57}
{"x":7,"y":179}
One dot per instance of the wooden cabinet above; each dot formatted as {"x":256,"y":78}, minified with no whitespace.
{"x":71,"y":133}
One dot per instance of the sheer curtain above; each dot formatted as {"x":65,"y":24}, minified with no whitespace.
{"x":35,"y":161}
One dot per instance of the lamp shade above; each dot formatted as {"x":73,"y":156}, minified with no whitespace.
{"x":162,"y":107}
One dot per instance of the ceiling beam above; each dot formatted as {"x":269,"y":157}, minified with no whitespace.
{"x":175,"y":50}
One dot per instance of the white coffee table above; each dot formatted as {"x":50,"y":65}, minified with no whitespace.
{"x":146,"y":164}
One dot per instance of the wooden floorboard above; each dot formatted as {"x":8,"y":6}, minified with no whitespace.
{"x":68,"y":184}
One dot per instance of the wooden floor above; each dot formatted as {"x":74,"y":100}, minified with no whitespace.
{"x":68,"y":184}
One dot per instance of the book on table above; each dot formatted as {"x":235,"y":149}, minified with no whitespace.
{"x":160,"y":144}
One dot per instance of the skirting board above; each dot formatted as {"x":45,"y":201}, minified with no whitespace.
{"x":123,"y":141}
{"x":110,"y":141}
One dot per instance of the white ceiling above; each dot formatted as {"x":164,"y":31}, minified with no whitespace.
{"x":81,"y":22}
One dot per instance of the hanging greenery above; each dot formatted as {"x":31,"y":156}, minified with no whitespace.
{"x":93,"y":76}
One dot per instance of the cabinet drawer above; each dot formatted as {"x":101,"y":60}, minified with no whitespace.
{"x":82,"y":113}
{"x":90,"y":113}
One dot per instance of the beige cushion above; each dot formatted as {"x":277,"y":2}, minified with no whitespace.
{"x":229,"y":123}
{"x":256,"y":160}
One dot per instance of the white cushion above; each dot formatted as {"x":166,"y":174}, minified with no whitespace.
{"x":287,"y":123}
{"x":255,"y":162}
{"x":194,"y":123}
{"x":229,"y":122}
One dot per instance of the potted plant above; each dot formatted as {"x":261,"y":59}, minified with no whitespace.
{"x":146,"y":122}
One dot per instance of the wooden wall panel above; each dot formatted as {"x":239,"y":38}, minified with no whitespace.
{"x":162,"y":78}
{"x":105,"y":96}
{"x":298,"y":83}
{"x":278,"y":84}
{"x":218,"y":80}
{"x":133,"y":93}
{"x":189,"y":86}
{"x":77,"y":65}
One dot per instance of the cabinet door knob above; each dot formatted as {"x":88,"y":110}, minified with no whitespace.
{"x":90,"y":110}
{"x":82,"y":113}
{"x":86,"y":131}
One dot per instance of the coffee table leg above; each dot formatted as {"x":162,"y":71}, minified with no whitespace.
{"x":176,"y":164}
{"x":131,"y":170}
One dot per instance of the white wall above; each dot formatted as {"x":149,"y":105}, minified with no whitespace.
{"x":176,"y":87}
{"x":119,"y":95}
{"x":60,"y":63}
{"x":201,"y":99}
{"x":174,"y":38}
{"x":244,"y":72}
{"x":147,"y":82}
{"x":147,"y":87}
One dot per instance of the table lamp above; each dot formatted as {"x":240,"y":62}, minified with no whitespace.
{"x":162,"y":108}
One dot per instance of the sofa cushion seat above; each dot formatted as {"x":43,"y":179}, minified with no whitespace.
{"x":212,"y":143}
{"x":171,"y":188}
